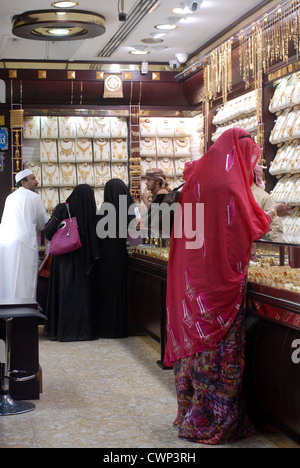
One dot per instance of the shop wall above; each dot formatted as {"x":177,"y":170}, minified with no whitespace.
{"x":85,"y":89}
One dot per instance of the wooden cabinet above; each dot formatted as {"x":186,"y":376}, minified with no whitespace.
{"x":147,"y":281}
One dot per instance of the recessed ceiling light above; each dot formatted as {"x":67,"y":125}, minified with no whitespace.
{"x":59,"y":31}
{"x":166,"y":27}
{"x":152,"y":40}
{"x":43,"y":24}
{"x":181,"y":11}
{"x":61,"y":4}
{"x":55,"y":34}
{"x":139,"y":52}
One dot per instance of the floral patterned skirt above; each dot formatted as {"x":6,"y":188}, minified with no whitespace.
{"x":211,"y":406}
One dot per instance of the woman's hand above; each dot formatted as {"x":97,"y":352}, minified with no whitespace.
{"x":280,"y":209}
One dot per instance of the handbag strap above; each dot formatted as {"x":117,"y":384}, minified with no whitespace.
{"x":67,"y":205}
{"x":177,"y":188}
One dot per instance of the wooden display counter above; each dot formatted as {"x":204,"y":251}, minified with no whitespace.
{"x":147,"y":282}
{"x":272,"y":374}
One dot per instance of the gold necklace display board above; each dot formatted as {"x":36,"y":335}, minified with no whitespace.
{"x":239,"y":112}
{"x":92,"y":150}
{"x":285,"y":105}
{"x":166,"y":143}
{"x":76,"y":150}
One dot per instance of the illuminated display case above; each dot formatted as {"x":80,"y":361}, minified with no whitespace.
{"x":272,"y":377}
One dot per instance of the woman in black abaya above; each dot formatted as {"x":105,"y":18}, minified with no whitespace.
{"x":71,"y":295}
{"x":112,"y":304}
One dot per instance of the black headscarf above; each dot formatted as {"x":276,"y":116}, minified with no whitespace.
{"x":83,"y":205}
{"x":112,"y":190}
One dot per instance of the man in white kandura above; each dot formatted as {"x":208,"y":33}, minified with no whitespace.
{"x":24,"y":214}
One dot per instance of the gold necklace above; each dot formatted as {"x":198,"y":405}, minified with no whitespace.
{"x":146,"y":124}
{"x":64,"y":193}
{"x":101,"y":124}
{"x":84,"y":174}
{"x":147,"y":142}
{"x":165,"y":145}
{"x":66,"y":151}
{"x":166,"y":124}
{"x":50,"y":175}
{"x":285,"y":121}
{"x":182,"y":142}
{"x":180,"y":128}
{"x":102,"y":173}
{"x":65,"y":126}
{"x":82,"y":149}
{"x":119,"y":170}
{"x":49,"y":127}
{"x":148,"y":163}
{"x":101,"y":143}
{"x":50,"y":200}
{"x":31,"y":125}
{"x":67,"y":175}
{"x":82,"y":128}
{"x":166,"y":165}
{"x":120,"y":154}
{"x":48,"y":151}
{"x":117,"y":127}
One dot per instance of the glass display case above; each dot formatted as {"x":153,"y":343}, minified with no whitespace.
{"x":273,"y":277}
{"x":274,"y":282}
{"x":272,"y":379}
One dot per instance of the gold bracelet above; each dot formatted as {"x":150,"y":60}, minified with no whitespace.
{"x":274,"y":212}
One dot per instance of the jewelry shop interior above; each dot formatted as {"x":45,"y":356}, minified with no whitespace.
{"x":74,"y":120}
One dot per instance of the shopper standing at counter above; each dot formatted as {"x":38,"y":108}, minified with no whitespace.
{"x":205,"y":291}
{"x":71,"y":302}
{"x":156,"y":186}
{"x":153,"y":196}
{"x":112,"y":286}
{"x":24,"y":214}
{"x":265,"y":201}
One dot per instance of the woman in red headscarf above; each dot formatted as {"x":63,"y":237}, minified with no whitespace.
{"x":205,"y":290}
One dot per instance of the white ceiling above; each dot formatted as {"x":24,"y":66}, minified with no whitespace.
{"x":212,"y":18}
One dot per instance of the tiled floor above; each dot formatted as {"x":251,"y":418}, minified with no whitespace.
{"x":106,"y":394}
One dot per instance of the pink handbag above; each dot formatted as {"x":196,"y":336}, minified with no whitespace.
{"x":66,"y":239}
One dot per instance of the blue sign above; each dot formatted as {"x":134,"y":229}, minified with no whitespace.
{"x":3,"y":138}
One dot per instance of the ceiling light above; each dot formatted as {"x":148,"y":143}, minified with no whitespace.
{"x":166,"y":27}
{"x":151,"y":40}
{"x":64,"y":4}
{"x":59,"y":31}
{"x":43,"y":24}
{"x":139,"y":52}
{"x":181,"y":11}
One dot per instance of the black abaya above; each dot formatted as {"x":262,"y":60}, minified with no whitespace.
{"x":112,"y":302}
{"x":71,"y":298}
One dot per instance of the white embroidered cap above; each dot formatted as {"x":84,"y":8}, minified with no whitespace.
{"x":21,"y":175}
